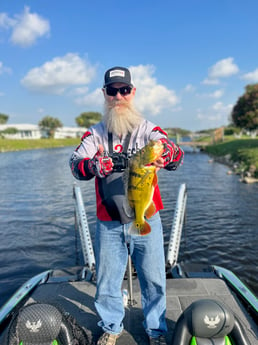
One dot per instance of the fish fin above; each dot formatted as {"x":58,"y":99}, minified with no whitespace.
{"x":155,"y":180}
{"x":151,"y":210}
{"x":145,"y":229}
{"x":139,"y":229}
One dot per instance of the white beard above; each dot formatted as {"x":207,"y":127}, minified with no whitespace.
{"x":121,"y":119}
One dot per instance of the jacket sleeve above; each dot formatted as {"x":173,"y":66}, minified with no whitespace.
{"x":177,"y":158}
{"x":173,"y":154}
{"x":81,"y":157}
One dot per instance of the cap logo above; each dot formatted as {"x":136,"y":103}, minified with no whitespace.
{"x":117,"y":73}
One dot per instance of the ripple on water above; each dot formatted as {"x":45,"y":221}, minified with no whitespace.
{"x":37,"y":216}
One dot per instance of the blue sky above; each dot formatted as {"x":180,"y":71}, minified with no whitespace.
{"x":190,"y":59}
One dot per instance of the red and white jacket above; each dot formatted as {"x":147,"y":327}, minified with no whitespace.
{"x":110,"y":193}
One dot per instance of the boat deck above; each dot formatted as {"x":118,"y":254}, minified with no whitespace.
{"x":77,"y":298}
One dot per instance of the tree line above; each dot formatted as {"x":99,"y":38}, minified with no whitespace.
{"x":244,"y":115}
{"x":49,"y":124}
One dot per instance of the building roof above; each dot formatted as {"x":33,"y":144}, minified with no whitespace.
{"x":20,"y":126}
{"x":32,"y":127}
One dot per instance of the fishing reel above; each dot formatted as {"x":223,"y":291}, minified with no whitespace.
{"x":120,"y":161}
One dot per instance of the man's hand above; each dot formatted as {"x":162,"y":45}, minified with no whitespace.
{"x":159,"y":163}
{"x":100,"y":165}
{"x":166,"y":156}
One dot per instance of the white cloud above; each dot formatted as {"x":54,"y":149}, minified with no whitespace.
{"x":91,"y":100}
{"x":57,"y":75}
{"x":5,"y":21}
{"x":189,"y":88}
{"x":251,"y":76}
{"x":81,"y":90}
{"x":216,"y":115}
{"x":210,"y":81}
{"x":151,"y":98}
{"x":211,"y":118}
{"x":221,"y":108}
{"x":26,"y":27}
{"x":217,"y":94}
{"x":40,"y":110}
{"x":222,"y":69}
{"x":4,"y":69}
{"x":177,"y":109}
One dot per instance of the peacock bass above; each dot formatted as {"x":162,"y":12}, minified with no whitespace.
{"x":142,"y":179}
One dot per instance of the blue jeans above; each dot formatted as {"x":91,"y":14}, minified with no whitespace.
{"x":111,"y":260}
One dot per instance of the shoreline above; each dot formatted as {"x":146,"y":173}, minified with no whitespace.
{"x":15,"y":145}
{"x":245,"y":179}
{"x":240,"y":155}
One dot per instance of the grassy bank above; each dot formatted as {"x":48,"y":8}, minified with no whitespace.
{"x":33,"y":144}
{"x":241,"y":151}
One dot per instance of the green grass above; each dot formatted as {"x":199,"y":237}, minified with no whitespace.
{"x":243,"y":151}
{"x":33,"y":144}
{"x":207,"y":139}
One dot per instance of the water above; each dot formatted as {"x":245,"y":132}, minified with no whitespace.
{"x":37,"y":216}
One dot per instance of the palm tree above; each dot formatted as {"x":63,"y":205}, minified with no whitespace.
{"x":50,"y":124}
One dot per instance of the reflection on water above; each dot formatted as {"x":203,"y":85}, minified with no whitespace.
{"x":37,"y":215}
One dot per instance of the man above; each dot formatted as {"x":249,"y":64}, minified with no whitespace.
{"x":103,"y":153}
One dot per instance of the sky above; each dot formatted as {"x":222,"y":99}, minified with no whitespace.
{"x":190,"y":60}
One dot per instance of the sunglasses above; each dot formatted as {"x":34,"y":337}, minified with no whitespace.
{"x":124,"y":90}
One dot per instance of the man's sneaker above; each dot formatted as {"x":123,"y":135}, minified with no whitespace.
{"x":108,"y":339}
{"x":161,"y":340}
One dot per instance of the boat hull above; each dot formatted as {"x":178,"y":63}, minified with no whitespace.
{"x":75,"y":295}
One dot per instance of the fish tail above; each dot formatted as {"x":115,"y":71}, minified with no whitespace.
{"x":141,"y":229}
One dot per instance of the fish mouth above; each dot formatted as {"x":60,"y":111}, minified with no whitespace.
{"x":151,"y":153}
{"x":158,"y":149}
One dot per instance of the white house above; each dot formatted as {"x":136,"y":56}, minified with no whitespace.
{"x":24,"y":131}
{"x":29,"y":131}
{"x":69,"y":132}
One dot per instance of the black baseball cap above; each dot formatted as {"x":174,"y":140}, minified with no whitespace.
{"x":117,"y":75}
